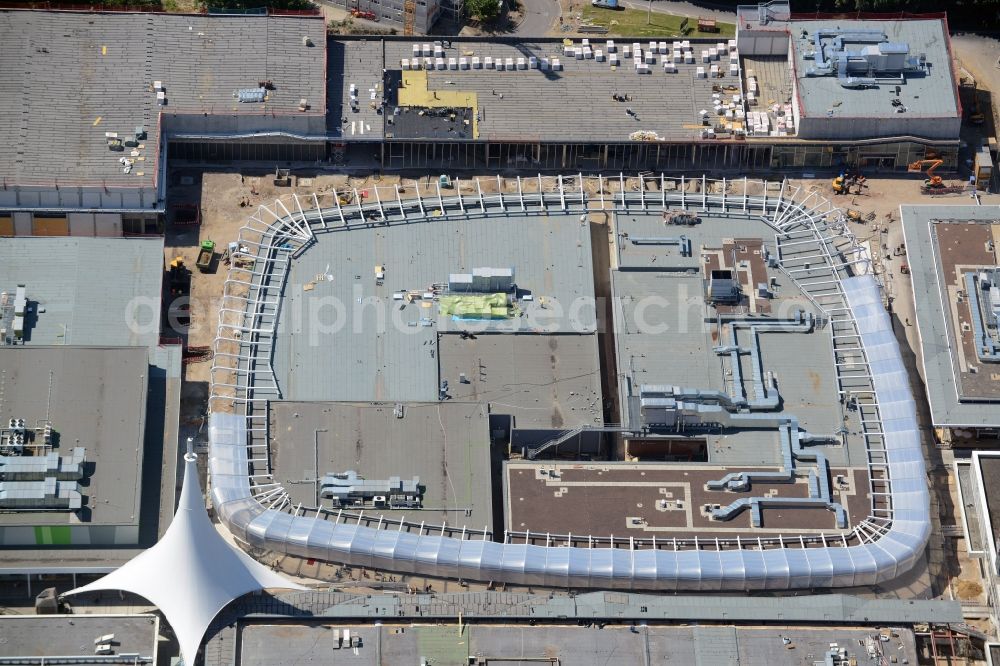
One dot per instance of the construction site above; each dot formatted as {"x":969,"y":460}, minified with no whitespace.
{"x":788,"y":93}
{"x":497,"y":349}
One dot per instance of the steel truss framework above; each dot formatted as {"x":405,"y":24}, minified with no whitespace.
{"x":815,"y":249}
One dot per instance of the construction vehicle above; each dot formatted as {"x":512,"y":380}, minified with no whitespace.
{"x":206,"y":256}
{"x":845,"y":181}
{"x":178,"y":278}
{"x":932,"y":180}
{"x":967,"y":82}
{"x":364,"y":14}
{"x":934,"y":184}
{"x":853,"y":215}
{"x":839,"y":184}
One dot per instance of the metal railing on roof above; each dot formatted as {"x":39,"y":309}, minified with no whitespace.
{"x":900,"y":532}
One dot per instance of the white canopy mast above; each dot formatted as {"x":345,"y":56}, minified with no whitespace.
{"x":192,"y":572}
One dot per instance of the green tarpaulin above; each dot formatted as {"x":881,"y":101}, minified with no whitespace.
{"x":476,"y":306}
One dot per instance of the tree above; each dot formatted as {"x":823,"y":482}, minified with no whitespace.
{"x":484,"y":10}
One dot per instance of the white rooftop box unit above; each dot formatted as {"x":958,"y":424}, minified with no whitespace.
{"x":544,"y":64}
{"x":509,"y":64}
{"x":452,"y":63}
{"x":490,"y":280}
{"x":429,"y":63}
{"x":689,"y":58}
{"x":438,"y":51}
{"x":532,"y":62}
{"x":627,"y":51}
{"x":701,"y":73}
{"x":427,"y":50}
{"x":731,"y":45}
{"x":581,"y":53}
{"x":522,"y":63}
{"x":416,"y":49}
{"x":669,"y":67}
{"x":439,"y":63}
{"x":476,"y":64}
{"x":610,"y":46}
{"x":599,"y":55}
{"x":488,"y":62}
{"x":404,"y":64}
{"x":556,"y":65}
{"x":463,"y":63}
{"x":650,"y":58}
{"x":614,"y":60}
{"x":676,"y":56}
{"x":663,"y":48}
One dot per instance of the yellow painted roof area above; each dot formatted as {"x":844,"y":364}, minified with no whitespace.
{"x":414,"y":92}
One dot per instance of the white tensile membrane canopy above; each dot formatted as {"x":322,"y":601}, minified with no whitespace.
{"x":192,"y":573}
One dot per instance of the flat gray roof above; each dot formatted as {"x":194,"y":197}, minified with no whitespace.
{"x":446,"y":444}
{"x":934,"y":318}
{"x":308,"y":643}
{"x":27,"y":636}
{"x":574,"y":104}
{"x":544,"y":381}
{"x":95,"y":398}
{"x":665,"y":334}
{"x":74,"y":76}
{"x":95,"y":291}
{"x":989,"y":466}
{"x":924,"y":96}
{"x":351,"y":340}
{"x":510,"y":605}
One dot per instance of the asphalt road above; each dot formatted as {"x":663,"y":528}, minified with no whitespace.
{"x":539,"y":16}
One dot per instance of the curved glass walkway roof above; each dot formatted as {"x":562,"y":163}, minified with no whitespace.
{"x":814,"y":247}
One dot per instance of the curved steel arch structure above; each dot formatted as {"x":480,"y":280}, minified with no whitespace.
{"x":815,"y":249}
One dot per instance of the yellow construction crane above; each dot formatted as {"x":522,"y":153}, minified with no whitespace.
{"x":409,"y":16}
